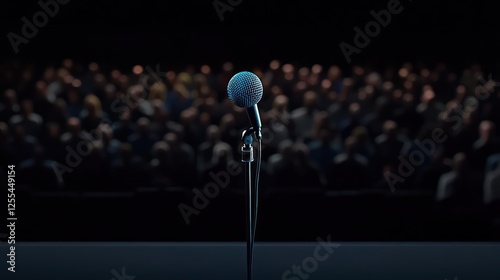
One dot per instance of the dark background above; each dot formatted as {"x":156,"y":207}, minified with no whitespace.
{"x":181,"y":32}
{"x":178,"y":33}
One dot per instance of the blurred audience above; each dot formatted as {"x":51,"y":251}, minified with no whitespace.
{"x":332,"y":128}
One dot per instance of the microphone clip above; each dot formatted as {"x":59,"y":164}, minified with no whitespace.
{"x":247,"y":149}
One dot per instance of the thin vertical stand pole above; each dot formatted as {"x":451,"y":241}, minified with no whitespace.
{"x":250,"y":218}
{"x":247,"y":159}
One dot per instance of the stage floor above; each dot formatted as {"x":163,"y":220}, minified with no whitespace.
{"x":196,"y":261}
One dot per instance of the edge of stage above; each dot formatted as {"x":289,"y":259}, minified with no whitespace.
{"x":220,"y":260}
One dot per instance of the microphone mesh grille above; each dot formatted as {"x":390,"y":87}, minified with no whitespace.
{"x":245,"y":89}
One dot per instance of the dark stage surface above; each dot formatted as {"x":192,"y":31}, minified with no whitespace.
{"x":345,"y":261}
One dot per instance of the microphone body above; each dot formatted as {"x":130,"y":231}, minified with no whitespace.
{"x":254,"y":117}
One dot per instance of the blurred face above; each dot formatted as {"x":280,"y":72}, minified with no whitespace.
{"x":27,"y":107}
{"x":171,"y":139}
{"x":486,"y":130}
{"x":10,"y":96}
{"x":73,"y":97}
{"x":213,"y":133}
{"x":310,"y":100}
{"x":325,"y":136}
{"x":74,"y":125}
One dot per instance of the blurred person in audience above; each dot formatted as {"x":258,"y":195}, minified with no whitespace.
{"x":111,"y":103}
{"x":74,"y":104}
{"x":205,"y":120}
{"x":58,"y":113}
{"x":303,"y":117}
{"x":323,"y":150}
{"x":122,"y":82}
{"x":100,"y":82}
{"x":158,"y":91}
{"x":462,"y":129}
{"x":374,"y":121}
{"x":423,"y":148}
{"x":185,"y":160}
{"x":205,"y":149}
{"x":366,"y":147}
{"x":366,"y":100}
{"x":42,"y":105}
{"x":110,"y":145}
{"x":307,"y":173}
{"x":138,"y":107}
{"x":407,"y":117}
{"x":222,"y":79}
{"x":491,"y":189}
{"x":191,"y":127}
{"x":389,"y":144}
{"x":22,"y":145}
{"x":93,"y":114}
{"x":222,"y":156}
{"x":9,"y":107}
{"x":6,"y":156}
{"x":161,"y":165}
{"x":25,"y":82}
{"x":37,"y":172}
{"x":334,"y":75}
{"x":160,"y":120}
{"x":124,"y":128}
{"x":49,"y":76}
{"x":74,"y":134}
{"x":178,"y":100}
{"x":211,"y":107}
{"x":353,"y":120}
{"x":52,"y":142}
{"x":228,"y":131}
{"x":487,"y":144}
{"x":429,"y":107}
{"x":460,"y":185}
{"x":281,"y":167}
{"x":349,"y":170}
{"x":30,"y":121}
{"x":267,"y":101}
{"x":144,"y":105}
{"x":128,"y":171}
{"x":428,"y":175}
{"x":56,"y":87}
{"x":278,"y":125}
{"x":492,"y":162}
{"x":142,"y":140}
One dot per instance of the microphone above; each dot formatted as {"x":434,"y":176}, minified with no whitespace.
{"x":245,"y":91}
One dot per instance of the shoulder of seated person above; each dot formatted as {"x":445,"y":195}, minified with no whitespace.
{"x":340,"y":158}
{"x":380,"y":139}
{"x":15,"y":119}
{"x":361,"y":159}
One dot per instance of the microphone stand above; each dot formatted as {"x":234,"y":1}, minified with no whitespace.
{"x":251,"y":194}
